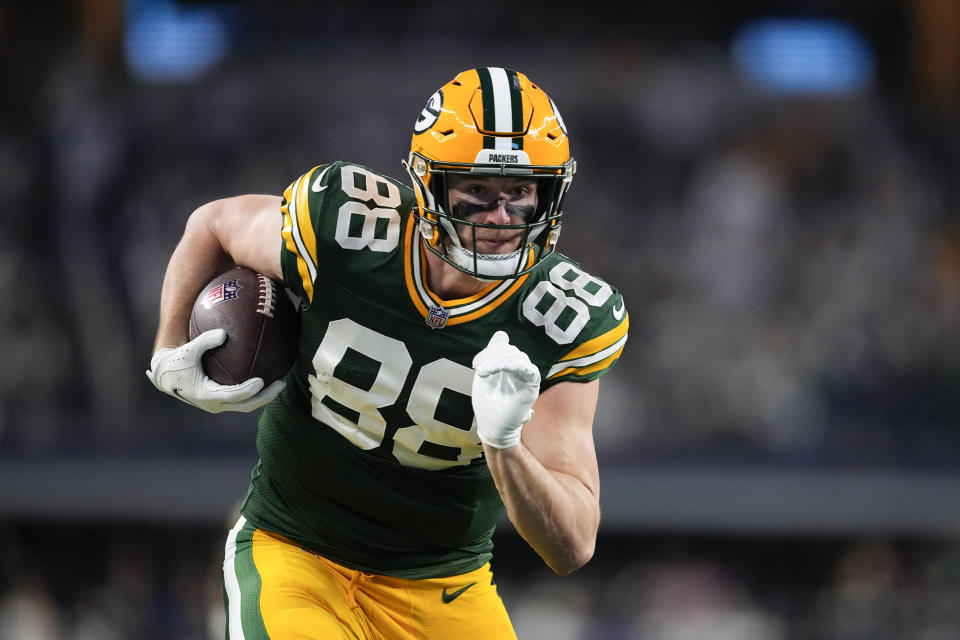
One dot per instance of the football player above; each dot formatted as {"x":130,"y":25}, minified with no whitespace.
{"x":448,"y":367}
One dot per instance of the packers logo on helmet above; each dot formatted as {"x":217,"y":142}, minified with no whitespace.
{"x":490,"y":121}
{"x":430,"y":113}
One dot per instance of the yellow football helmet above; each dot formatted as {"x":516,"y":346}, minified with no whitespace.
{"x":491,"y":121}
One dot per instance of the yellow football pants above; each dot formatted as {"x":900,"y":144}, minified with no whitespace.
{"x":275,"y":590}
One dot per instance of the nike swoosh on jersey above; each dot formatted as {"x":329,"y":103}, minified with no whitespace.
{"x":316,"y":183}
{"x":450,"y":597}
{"x":618,"y":313}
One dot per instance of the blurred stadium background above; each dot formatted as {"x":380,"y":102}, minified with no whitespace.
{"x":773,"y":186}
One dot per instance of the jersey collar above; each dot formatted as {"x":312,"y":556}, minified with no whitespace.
{"x":461,"y":309}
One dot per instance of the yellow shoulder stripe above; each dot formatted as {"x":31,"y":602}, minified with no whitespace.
{"x":299,"y":236}
{"x":593,"y":355}
{"x":603,"y":364}
{"x":601,"y":342}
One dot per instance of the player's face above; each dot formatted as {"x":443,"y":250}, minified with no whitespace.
{"x":498,"y":200}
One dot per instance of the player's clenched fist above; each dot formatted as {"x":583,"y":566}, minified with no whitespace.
{"x":505,"y":386}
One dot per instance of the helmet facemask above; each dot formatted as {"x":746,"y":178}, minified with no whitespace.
{"x":438,"y":222}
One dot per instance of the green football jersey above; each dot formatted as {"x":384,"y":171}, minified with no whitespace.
{"x":370,"y":455}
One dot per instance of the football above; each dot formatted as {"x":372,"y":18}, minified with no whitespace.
{"x":261,"y":324}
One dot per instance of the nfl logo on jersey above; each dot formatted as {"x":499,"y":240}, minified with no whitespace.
{"x":437,"y":317}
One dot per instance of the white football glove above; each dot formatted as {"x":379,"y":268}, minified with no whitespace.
{"x":505,"y":386}
{"x":179,"y":372}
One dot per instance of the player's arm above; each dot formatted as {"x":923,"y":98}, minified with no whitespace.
{"x":548,"y":478}
{"x":549,"y":481}
{"x":244,"y":230}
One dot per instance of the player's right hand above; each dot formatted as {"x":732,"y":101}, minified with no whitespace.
{"x":179,"y":372}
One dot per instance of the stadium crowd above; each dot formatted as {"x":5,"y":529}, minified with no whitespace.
{"x":791,"y":263}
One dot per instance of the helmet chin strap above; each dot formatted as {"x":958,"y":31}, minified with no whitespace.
{"x":488,"y":265}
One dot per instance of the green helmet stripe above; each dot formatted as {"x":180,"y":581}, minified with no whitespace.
{"x":502,"y":106}
{"x":489,"y":107}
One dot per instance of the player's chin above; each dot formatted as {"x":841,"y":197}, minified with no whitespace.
{"x":495,"y":247}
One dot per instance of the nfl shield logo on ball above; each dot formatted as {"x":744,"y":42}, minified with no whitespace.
{"x":224,"y":291}
{"x":437,"y":317}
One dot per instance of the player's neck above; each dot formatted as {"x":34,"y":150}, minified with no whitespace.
{"x":450,"y":283}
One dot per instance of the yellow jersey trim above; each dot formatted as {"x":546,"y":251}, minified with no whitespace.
{"x":297,"y":231}
{"x":461,"y":309}
{"x":593,"y":355}
{"x":602,"y":341}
